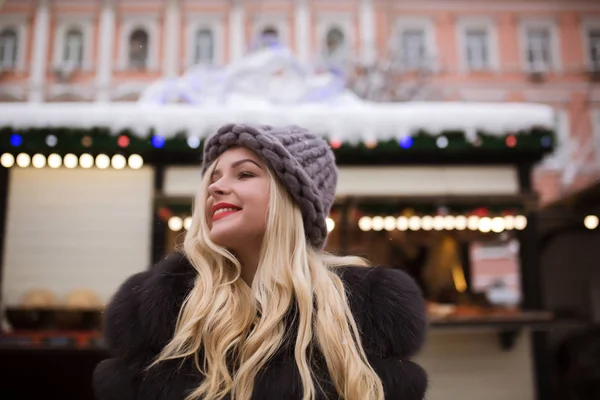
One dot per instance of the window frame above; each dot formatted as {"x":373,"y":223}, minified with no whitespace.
{"x":342,"y":21}
{"x":587,"y":26}
{"x":427,"y":25}
{"x":18,"y":22}
{"x":15,"y":51}
{"x":487,"y":25}
{"x":555,"y":56}
{"x":84,"y":24}
{"x":279,"y":21}
{"x":214,"y":23}
{"x":129,"y":24}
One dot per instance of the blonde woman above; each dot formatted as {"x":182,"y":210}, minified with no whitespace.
{"x":251,"y":308}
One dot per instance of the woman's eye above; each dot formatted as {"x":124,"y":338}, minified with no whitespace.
{"x":245,"y":175}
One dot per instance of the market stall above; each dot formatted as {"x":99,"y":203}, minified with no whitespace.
{"x":92,"y":193}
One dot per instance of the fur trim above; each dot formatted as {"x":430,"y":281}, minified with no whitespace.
{"x":387,"y":304}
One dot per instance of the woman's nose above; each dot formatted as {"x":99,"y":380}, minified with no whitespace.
{"x":218,"y":188}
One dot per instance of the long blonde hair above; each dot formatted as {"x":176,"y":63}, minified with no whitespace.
{"x":228,"y":321}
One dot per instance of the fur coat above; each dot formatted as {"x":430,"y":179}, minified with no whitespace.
{"x":387,"y":305}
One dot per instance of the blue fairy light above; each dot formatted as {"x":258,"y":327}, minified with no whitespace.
{"x":546,"y":141}
{"x":158,"y":141}
{"x":16,"y":140}
{"x":406,"y":142}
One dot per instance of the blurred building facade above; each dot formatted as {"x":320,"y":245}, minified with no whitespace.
{"x":455,"y":50}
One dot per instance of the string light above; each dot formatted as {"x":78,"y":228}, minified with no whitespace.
{"x":86,"y":161}
{"x":402,"y":223}
{"x":7,"y":160}
{"x":442,"y":142}
{"x":370,"y":143}
{"x":102,"y":161}
{"x":135,"y":161}
{"x":118,"y":161}
{"x":406,"y":142}
{"x":38,"y":161}
{"x":335,"y":143}
{"x":54,"y":160}
{"x":158,"y":141}
{"x":175,"y":224}
{"x":187,"y":223}
{"x":193,"y":142}
{"x":87,"y":141}
{"x":123,"y":141}
{"x":16,"y":140}
{"x":389,"y":223}
{"x":511,"y":141}
{"x":378,"y":223}
{"x":70,"y":161}
{"x":51,"y":140}
{"x":23,"y":160}
{"x":365,"y":224}
{"x":330,"y":224}
{"x":591,"y":222}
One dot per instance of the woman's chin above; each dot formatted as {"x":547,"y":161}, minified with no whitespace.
{"x":223,"y":236}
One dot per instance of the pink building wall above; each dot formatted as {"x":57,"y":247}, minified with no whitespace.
{"x":568,"y":88}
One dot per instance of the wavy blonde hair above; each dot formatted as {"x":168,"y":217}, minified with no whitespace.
{"x":239,"y":328}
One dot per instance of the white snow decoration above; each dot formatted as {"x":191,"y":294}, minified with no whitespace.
{"x":271,"y":75}
{"x":353,"y":123}
{"x":270,"y":86}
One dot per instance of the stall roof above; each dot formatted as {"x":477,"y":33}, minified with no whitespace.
{"x":352,"y":123}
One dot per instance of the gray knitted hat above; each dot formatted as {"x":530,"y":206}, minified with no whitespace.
{"x":303,"y":162}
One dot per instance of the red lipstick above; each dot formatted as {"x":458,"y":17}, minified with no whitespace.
{"x":227,"y":208}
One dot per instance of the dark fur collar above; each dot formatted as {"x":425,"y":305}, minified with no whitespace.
{"x":386,"y":303}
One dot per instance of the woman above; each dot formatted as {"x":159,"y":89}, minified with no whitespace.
{"x":252,"y":308}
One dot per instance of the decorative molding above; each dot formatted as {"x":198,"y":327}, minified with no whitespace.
{"x":131,"y":22}
{"x":547,"y":95}
{"x":85,"y":93}
{"x":15,"y":92}
{"x":129,"y":88}
{"x":18,"y":22}
{"x":489,"y":95}
{"x":488,"y":24}
{"x":494,"y":6}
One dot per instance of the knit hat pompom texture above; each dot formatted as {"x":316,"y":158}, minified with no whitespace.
{"x":303,"y":162}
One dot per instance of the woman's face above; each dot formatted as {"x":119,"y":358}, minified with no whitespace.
{"x":238,"y":200}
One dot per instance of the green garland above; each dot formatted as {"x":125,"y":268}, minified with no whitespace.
{"x":97,"y":140}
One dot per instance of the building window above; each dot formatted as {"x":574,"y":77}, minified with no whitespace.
{"x":539,"y":49}
{"x":138,"y":49}
{"x":8,"y":49}
{"x":594,"y":48}
{"x":413,"y":48}
{"x":73,"y":48}
{"x":477,"y":49}
{"x":204,"y":50}
{"x":335,"y":46}
{"x":269,"y":36}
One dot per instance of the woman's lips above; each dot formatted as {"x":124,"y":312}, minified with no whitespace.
{"x":223,"y":212}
